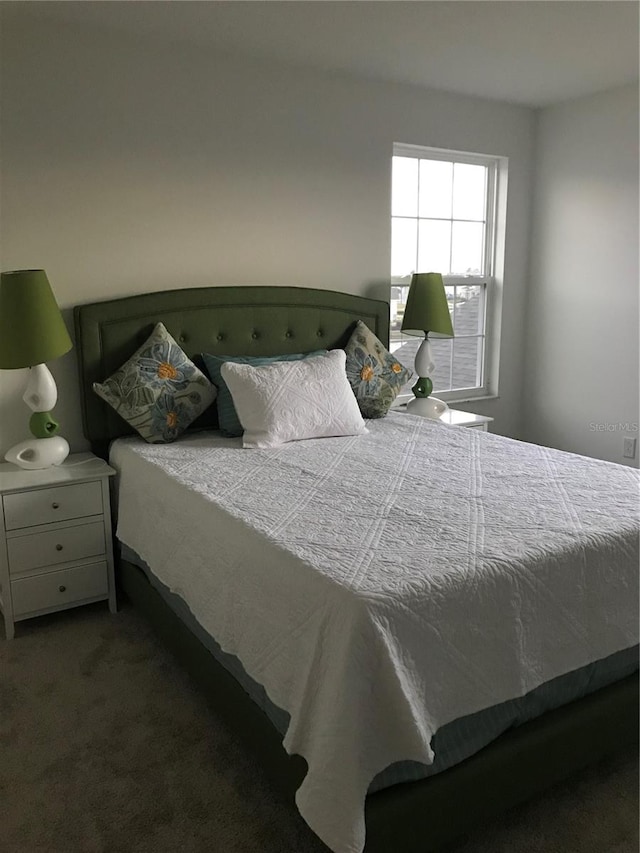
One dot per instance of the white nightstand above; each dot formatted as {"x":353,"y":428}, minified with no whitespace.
{"x":56,"y":549}
{"x":455,"y":417}
{"x":466,"y":419}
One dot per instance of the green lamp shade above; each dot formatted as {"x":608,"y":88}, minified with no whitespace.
{"x":32,"y":330}
{"x":427,"y":309}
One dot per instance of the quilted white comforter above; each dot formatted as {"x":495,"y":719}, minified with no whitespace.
{"x":380,"y":586}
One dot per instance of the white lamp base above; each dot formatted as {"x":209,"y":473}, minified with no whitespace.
{"x":427,"y":407}
{"x":37,"y":453}
{"x":41,"y":393}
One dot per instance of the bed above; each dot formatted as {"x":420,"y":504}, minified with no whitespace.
{"x":520,"y":759}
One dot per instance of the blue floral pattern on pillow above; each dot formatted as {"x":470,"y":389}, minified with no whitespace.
{"x":159,"y":391}
{"x":165,"y":364}
{"x":374,"y":374}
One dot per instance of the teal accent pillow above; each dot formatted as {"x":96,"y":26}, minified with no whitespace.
{"x":227,"y":416}
{"x":159,"y":391}
{"x":375,"y":375}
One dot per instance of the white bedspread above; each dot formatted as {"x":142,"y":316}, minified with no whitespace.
{"x":380,"y":586}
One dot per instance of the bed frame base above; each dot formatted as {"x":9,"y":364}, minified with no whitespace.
{"x":416,"y":817}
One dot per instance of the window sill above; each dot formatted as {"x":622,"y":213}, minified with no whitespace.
{"x":473,"y":399}
{"x":403,"y":399}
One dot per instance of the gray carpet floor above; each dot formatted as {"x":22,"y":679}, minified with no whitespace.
{"x":106,"y":747}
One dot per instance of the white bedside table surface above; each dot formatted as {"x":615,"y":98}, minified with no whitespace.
{"x":455,"y":417}
{"x":76,"y":468}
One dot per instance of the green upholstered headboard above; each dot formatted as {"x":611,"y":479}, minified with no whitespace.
{"x":219,"y":320}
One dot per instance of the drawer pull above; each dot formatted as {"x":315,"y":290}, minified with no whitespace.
{"x":55,"y":505}
{"x":58,"y":547}
{"x":62,"y":588}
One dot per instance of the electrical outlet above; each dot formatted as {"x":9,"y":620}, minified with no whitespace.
{"x":629,"y":447}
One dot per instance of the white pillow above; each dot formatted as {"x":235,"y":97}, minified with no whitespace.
{"x":292,"y":400}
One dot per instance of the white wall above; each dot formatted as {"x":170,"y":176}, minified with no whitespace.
{"x":130,"y":166}
{"x":582,"y":318}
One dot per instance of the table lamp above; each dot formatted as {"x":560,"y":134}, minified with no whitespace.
{"x":426,"y":311}
{"x":32,"y":331}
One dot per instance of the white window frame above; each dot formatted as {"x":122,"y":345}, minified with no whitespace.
{"x":495,"y":166}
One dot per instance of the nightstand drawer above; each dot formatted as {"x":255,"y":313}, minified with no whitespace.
{"x":42,"y":506}
{"x":56,"y":546}
{"x":59,"y":589}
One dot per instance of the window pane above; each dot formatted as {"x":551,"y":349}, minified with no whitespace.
{"x":441,"y":376}
{"x":469,"y":184}
{"x":436,"y":178}
{"x":404,"y":240}
{"x":467,"y":358}
{"x":404,"y":186}
{"x":434,"y":246}
{"x":450,"y":291}
{"x":397,"y":305}
{"x":469,"y":316}
{"x":466,"y":248}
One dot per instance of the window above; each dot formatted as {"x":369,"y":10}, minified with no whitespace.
{"x":443,"y":220}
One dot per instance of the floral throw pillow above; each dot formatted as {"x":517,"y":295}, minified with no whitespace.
{"x":159,"y":391}
{"x":374,"y":374}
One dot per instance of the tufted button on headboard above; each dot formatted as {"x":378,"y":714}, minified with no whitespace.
{"x":219,"y":320}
